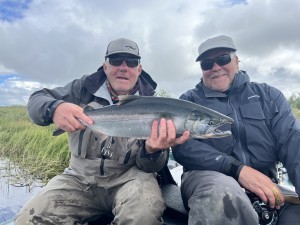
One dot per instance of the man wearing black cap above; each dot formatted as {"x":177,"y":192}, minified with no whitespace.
{"x":111,"y":176}
{"x":218,"y":171}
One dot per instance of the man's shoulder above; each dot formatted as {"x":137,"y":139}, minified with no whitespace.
{"x":264,"y":88}
{"x":187,"y":93}
{"x":193,"y":95}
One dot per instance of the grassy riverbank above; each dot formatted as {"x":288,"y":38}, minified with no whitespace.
{"x":33,"y":147}
{"x":29,"y":146}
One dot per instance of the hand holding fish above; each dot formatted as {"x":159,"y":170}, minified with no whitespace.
{"x":163,"y":135}
{"x":67,"y":116}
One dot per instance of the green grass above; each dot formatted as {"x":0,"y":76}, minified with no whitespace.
{"x":296,"y":111}
{"x":31,"y":147}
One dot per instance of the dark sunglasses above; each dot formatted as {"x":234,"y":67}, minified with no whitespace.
{"x":220,"y":60}
{"x":130,"y":62}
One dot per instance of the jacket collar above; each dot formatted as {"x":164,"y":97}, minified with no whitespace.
{"x":240,"y":79}
{"x":94,"y":81}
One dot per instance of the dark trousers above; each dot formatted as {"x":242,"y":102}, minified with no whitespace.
{"x":213,"y":198}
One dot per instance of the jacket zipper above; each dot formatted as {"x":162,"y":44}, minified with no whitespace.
{"x":238,"y":139}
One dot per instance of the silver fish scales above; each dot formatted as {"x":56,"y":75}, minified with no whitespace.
{"x":133,"y":116}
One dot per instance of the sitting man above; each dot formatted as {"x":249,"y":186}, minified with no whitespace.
{"x":114,"y":175}
{"x":265,"y":131}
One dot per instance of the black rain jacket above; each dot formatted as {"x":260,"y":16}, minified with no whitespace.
{"x":265,"y":131}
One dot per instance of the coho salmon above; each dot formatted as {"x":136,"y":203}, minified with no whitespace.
{"x":133,"y":116}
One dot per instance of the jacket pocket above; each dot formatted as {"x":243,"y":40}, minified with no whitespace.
{"x":130,"y":147}
{"x":258,"y":137}
{"x":80,"y":141}
{"x":220,"y":107}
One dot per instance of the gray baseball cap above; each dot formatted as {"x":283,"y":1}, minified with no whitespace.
{"x":221,"y":41}
{"x":122,"y":45}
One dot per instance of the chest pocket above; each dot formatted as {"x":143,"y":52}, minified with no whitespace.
{"x":126,"y":150}
{"x":84,"y":144}
{"x":259,"y":140}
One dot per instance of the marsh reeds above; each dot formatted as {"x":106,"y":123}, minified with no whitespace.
{"x":31,"y":147}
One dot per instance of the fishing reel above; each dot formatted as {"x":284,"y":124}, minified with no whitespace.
{"x":266,"y":215}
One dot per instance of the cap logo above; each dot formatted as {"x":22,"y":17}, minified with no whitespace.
{"x":128,"y":46}
{"x":122,"y":45}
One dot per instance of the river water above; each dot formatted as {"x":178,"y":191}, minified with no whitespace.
{"x":16,"y":188}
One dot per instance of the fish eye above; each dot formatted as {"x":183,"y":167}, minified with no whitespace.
{"x":211,"y":122}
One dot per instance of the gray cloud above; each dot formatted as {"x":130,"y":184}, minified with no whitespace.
{"x":14,"y":91}
{"x":57,"y":41}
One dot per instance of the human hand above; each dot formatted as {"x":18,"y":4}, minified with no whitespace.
{"x":67,"y":116}
{"x":262,"y":186}
{"x":163,"y":135}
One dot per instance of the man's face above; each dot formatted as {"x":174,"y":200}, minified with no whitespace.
{"x":220,"y":78}
{"x":122,"y":78}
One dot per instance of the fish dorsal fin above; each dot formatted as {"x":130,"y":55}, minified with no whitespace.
{"x":91,"y":106}
{"x":127,"y":98}
{"x":87,"y":108}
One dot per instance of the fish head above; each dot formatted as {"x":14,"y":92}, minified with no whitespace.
{"x":206,"y":123}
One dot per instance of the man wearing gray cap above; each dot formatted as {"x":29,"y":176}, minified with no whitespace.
{"x":218,"y":171}
{"x":106,"y":176}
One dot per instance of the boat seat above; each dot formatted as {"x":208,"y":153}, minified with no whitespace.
{"x":172,"y":197}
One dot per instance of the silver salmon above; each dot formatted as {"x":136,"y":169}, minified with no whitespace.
{"x":133,"y":116}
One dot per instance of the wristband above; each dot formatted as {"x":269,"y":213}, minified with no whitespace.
{"x":235,"y":169}
{"x":151,"y":156}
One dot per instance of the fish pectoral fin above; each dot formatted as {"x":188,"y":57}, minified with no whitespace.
{"x":127,"y":98}
{"x":87,"y":108}
{"x":100,"y":135}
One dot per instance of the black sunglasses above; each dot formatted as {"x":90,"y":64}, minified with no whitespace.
{"x":130,"y":62}
{"x":220,"y":60}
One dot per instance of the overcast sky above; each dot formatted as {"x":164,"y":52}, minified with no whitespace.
{"x":47,"y":43}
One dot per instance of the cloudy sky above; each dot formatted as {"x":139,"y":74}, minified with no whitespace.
{"x":47,"y":43}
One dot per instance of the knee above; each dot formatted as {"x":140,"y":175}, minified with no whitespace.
{"x":23,"y":217}
{"x":147,"y":201}
{"x":151,"y":214}
{"x":139,"y":202}
{"x":226,"y":193}
{"x":226,"y":199}
{"x":140,"y":210}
